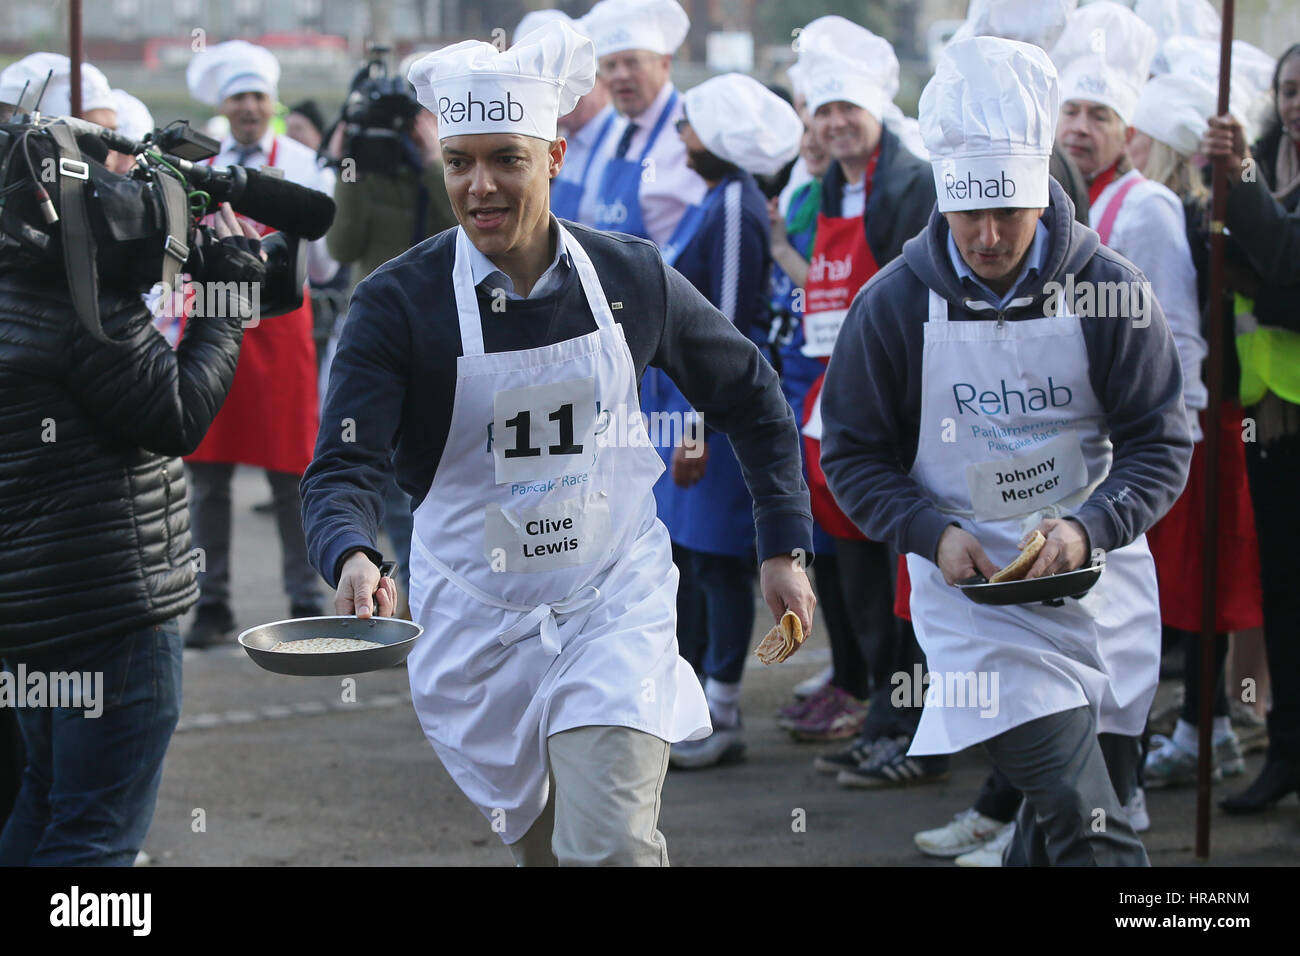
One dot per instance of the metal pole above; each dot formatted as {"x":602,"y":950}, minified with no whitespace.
{"x":1214,"y":385}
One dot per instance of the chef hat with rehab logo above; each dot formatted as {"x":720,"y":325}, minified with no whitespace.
{"x":659,"y":26}
{"x":740,"y":120}
{"x":472,"y":87}
{"x":1104,"y":56}
{"x":842,"y":61}
{"x":230,"y":69}
{"x":988,"y":116}
{"x":31,"y":72}
{"x":1039,"y":22}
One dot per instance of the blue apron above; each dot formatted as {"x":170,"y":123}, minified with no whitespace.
{"x":716,"y":515}
{"x":566,"y":194}
{"x":618,"y":206}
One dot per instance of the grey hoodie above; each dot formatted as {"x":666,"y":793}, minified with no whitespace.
{"x":871,"y":402}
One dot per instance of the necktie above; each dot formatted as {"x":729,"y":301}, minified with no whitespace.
{"x":625,"y":141}
{"x":244,"y":153}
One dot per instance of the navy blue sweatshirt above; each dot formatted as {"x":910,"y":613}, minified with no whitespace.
{"x":394,"y":376}
{"x":871,"y":403}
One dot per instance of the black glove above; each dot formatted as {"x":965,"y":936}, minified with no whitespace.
{"x":232,"y":259}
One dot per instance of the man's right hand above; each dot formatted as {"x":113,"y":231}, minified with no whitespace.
{"x":960,"y":556}
{"x":358,"y":585}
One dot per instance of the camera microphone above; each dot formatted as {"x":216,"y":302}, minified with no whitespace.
{"x":270,"y":200}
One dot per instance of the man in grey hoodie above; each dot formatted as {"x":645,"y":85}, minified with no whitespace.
{"x":1039,"y":389}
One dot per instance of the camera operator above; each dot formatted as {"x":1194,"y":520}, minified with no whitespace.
{"x":390,"y":192}
{"x":97,"y":566}
{"x":395,"y":200}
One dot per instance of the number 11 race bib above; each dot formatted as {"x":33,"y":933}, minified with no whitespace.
{"x":543,"y":431}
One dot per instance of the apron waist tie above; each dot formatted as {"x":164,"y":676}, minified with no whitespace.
{"x":540,"y":620}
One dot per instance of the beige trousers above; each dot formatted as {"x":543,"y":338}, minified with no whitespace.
{"x":604,"y":804}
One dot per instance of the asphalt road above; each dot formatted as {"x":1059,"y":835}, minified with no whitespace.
{"x":268,"y":770}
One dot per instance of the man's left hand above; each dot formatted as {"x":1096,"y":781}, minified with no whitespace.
{"x":785,"y":586}
{"x":1066,"y":548}
{"x":689,"y":464}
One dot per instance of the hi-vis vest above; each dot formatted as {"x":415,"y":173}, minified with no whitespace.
{"x":1270,"y":357}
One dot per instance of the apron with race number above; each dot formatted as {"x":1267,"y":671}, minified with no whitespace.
{"x":1012,"y":432}
{"x":539,"y":571}
{"x":618,"y":203}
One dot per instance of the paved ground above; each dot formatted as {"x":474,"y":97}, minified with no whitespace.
{"x":281,"y":771}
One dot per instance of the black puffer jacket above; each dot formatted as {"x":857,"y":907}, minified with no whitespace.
{"x":94,"y":521}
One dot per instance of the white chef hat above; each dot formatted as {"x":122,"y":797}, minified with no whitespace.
{"x":1173,"y":109}
{"x":474,"y":88}
{"x":988,"y":116}
{"x":740,"y":120}
{"x":133,"y":118}
{"x":906,"y":128}
{"x":659,"y":26}
{"x":232,"y":68}
{"x":840,"y":60}
{"x":32,"y":70}
{"x":1104,"y":56}
{"x":1172,"y":18}
{"x":1039,"y":22}
{"x":535,"y":18}
{"x":1198,"y":58}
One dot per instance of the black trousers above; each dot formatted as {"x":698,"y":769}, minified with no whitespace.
{"x":866,"y":574}
{"x":1272,"y":472}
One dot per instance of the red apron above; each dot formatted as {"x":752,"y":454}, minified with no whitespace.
{"x":903,"y":591}
{"x":1177,"y":540}
{"x":841,"y":265}
{"x":271,"y":415}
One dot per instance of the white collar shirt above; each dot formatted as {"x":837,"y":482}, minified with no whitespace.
{"x":484,"y":272}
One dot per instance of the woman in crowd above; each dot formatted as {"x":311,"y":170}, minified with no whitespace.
{"x":1263,"y":219}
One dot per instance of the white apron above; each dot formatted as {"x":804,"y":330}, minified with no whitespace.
{"x":539,"y":571}
{"x":1026,"y":439}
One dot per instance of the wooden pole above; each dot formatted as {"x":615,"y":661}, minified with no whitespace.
{"x":1214,"y":385}
{"x":74,"y":53}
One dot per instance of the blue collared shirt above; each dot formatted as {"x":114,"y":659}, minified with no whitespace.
{"x":1033,"y":265}
{"x":482,"y":269}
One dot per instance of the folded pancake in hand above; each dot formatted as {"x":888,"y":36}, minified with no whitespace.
{"x":1018,"y":568}
{"x":782,"y":641}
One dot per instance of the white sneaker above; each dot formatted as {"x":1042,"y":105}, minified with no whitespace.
{"x":724,"y":745}
{"x":969,"y":830}
{"x":990,"y":854}
{"x":806,"y":688}
{"x":1136,"y":811}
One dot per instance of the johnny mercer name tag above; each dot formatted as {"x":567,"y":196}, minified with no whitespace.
{"x":1025,"y":483}
{"x":563,"y":534}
